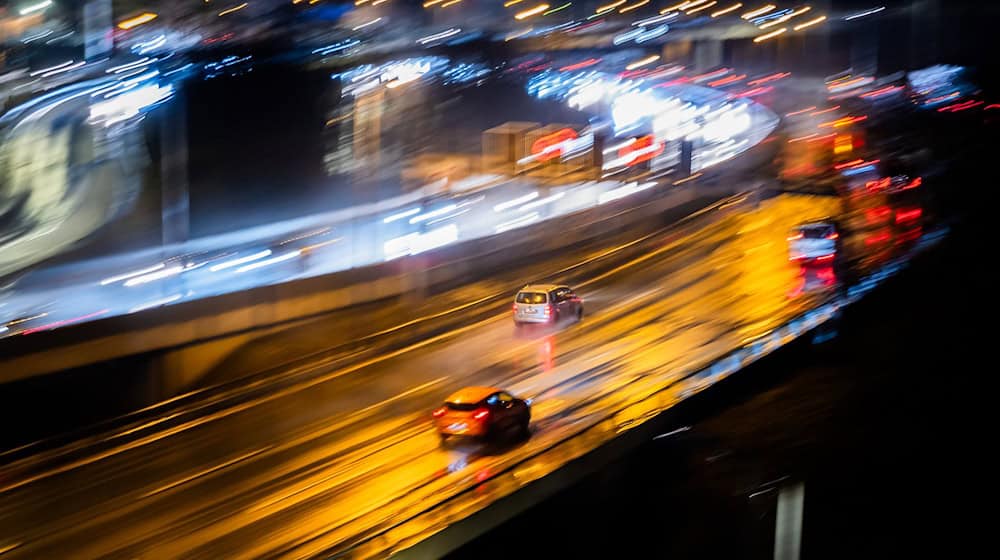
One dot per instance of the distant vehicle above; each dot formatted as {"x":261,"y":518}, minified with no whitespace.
{"x":483,"y":412}
{"x":814,"y":242}
{"x":546,"y":303}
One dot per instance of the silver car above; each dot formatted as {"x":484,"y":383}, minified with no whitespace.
{"x":546,"y":303}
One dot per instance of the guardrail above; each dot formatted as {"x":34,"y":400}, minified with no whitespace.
{"x":449,"y":523}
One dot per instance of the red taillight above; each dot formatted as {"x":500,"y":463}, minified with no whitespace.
{"x":439,"y":412}
{"x":548,"y":310}
{"x":833,"y":235}
{"x":481,"y":414}
{"x":908,"y":215}
{"x":515,"y":308}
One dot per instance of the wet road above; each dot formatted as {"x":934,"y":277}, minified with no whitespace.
{"x":304,"y":469}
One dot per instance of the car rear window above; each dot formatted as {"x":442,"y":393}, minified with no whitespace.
{"x":462,"y":407}
{"x":816,"y":232}
{"x":530,"y":297}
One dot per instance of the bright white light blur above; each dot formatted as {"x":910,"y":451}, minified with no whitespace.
{"x":656,"y":19}
{"x":128,"y":275}
{"x":73,"y":66}
{"x":129,"y":104}
{"x":36,"y":7}
{"x":864,"y":13}
{"x":726,"y":124}
{"x":438,"y":36}
{"x":401,"y":215}
{"x":152,"y":277}
{"x":269,"y":262}
{"x":515,"y":202}
{"x":241,"y":260}
{"x":628,"y":35}
{"x":155,"y":303}
{"x":652,"y":33}
{"x":433,"y":214}
{"x":367,"y":23}
{"x":632,"y":107}
{"x":623,"y":191}
{"x":541,"y":202}
{"x":145,"y":61}
{"x":435,"y":238}
{"x":588,"y":94}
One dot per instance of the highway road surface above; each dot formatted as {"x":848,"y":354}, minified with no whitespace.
{"x":311,"y":467}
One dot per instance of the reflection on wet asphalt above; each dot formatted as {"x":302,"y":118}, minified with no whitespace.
{"x":881,"y":425}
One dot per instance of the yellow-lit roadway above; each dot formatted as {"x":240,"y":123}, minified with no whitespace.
{"x":312,"y":468}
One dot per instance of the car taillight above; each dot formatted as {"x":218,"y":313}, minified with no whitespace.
{"x":439,"y":412}
{"x":481,"y":414}
{"x":514,"y":308}
{"x":548,"y":310}
{"x":833,"y":235}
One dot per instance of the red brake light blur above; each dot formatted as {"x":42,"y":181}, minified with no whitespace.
{"x":548,"y":310}
{"x":514,"y":307}
{"x":439,"y":412}
{"x":481,"y":414}
{"x":907,"y":215}
{"x":833,"y":235}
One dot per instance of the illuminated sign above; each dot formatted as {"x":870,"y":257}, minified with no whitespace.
{"x":643,"y":149}
{"x":551,"y":146}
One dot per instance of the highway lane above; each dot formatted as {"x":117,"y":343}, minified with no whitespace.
{"x":340,"y":453}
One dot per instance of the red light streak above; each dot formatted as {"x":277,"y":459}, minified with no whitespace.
{"x":539,"y":146}
{"x":712,"y":74}
{"x":877,"y":238}
{"x":633,"y":73}
{"x":908,"y":215}
{"x":913,"y":184}
{"x":800,"y":111}
{"x":580,"y":65}
{"x":755,"y":91}
{"x":881,"y":92}
{"x":770,"y":78}
{"x":825,"y":111}
{"x":878,"y":215}
{"x":65,"y":322}
{"x":728,"y":80}
{"x":851,"y":163}
{"x":991,"y":106}
{"x":643,"y":143}
{"x":822,"y":138}
{"x":954,"y":108}
{"x":879,"y":185}
{"x":674,"y":82}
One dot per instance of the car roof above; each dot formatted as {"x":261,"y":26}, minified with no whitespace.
{"x":540,"y":287}
{"x":471,"y":394}
{"x":810,"y":225}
